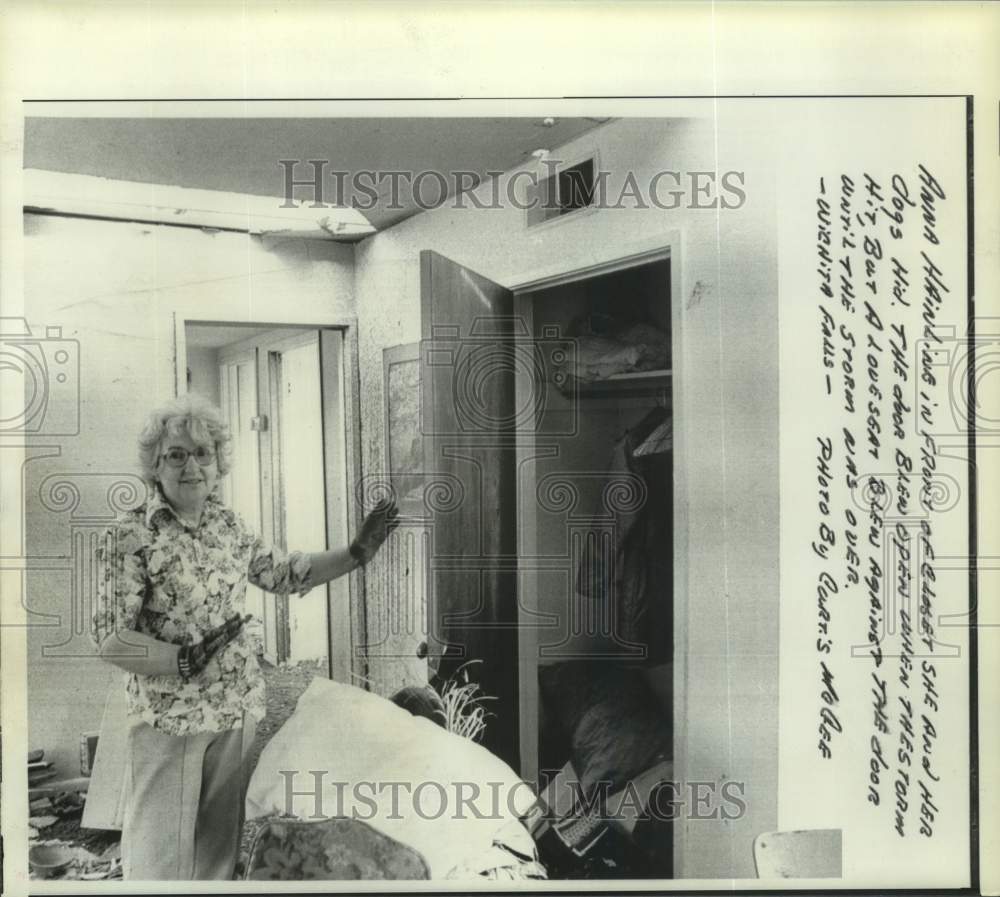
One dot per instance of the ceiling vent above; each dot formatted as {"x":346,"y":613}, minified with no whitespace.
{"x":560,"y":192}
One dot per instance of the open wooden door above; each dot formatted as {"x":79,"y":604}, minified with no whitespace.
{"x":467,"y":370}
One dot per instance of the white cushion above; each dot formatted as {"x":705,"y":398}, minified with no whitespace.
{"x":354,"y":737}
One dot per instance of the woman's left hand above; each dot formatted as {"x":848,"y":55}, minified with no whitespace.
{"x":375,"y":529}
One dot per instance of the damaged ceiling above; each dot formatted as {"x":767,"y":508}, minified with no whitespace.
{"x":244,"y":155}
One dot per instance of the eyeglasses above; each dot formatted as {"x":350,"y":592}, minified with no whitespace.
{"x":178,"y":457}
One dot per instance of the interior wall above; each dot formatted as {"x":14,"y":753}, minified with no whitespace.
{"x":727,"y":411}
{"x":116,"y":289}
{"x":203,"y":368}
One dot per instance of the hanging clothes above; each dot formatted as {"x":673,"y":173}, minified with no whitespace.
{"x":631,"y":574}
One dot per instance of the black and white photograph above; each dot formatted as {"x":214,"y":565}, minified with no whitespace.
{"x":504,"y":492}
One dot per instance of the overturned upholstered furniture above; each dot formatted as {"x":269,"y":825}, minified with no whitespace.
{"x":442,"y":805}
{"x":330,"y":850}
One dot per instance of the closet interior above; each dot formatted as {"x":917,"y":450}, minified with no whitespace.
{"x":596,"y":547}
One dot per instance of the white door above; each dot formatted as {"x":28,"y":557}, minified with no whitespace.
{"x":241,"y":486}
{"x":299,"y":429}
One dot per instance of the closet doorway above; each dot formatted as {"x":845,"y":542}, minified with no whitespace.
{"x":528,"y":440}
{"x":600,"y":539}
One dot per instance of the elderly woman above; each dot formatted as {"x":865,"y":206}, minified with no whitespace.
{"x":170,"y":613}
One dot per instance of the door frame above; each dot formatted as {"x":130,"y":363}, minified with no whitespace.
{"x":666,"y":246}
{"x":350,"y":377}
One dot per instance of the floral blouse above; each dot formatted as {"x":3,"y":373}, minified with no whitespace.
{"x":174,"y":582}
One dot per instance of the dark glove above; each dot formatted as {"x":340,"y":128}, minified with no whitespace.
{"x":375,"y":529}
{"x":192,"y":659}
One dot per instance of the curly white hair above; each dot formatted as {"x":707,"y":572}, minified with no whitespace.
{"x":190,"y":414}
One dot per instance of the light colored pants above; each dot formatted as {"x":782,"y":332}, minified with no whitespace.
{"x":184,"y":804}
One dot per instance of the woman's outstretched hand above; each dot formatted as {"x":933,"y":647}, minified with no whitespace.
{"x":375,"y":529}
{"x":192,"y":659}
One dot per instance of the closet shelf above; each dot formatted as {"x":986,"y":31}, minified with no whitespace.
{"x":643,"y":382}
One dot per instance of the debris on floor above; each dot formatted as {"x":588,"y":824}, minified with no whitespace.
{"x":57,"y":859}
{"x":102,"y":848}
{"x":59,"y":804}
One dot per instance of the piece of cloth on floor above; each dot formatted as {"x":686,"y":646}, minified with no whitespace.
{"x":105,"y":807}
{"x":184,"y":804}
{"x":510,"y":858}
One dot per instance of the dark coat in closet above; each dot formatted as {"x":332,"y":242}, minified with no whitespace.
{"x":631,"y":574}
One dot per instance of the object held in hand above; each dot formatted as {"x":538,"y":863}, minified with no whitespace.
{"x":375,"y":529}
{"x":192,"y":659}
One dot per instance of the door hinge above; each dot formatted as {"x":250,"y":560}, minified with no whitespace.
{"x":259,"y":423}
